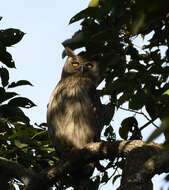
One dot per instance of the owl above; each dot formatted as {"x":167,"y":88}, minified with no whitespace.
{"x":74,"y":110}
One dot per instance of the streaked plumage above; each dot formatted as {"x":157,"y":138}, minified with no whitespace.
{"x":74,"y":110}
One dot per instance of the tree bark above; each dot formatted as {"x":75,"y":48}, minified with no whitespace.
{"x":142,"y":162}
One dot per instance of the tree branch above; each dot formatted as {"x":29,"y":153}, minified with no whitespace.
{"x":11,"y":169}
{"x":90,"y":153}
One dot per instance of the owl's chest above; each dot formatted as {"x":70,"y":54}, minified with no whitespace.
{"x":76,"y":88}
{"x":74,"y":95}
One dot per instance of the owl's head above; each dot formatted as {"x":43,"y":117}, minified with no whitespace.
{"x":79,"y":66}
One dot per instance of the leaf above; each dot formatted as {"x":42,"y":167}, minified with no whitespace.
{"x":138,"y":100}
{"x":19,"y":144}
{"x":4,"y":76}
{"x":150,"y":185}
{"x":166,"y":92}
{"x":126,"y":127}
{"x":10,"y":36}
{"x":76,"y":41}
{"x":167,"y":177}
{"x":21,"y":102}
{"x":93,"y":3}
{"x":6,"y":95}
{"x":4,"y":182}
{"x":13,"y":113}
{"x":115,"y":178}
{"x":19,"y":83}
{"x":105,"y":178}
{"x":6,"y":59}
{"x":164,"y":128}
{"x":93,"y":12}
{"x":2,"y":93}
{"x":123,"y":132}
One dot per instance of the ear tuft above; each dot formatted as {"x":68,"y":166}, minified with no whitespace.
{"x":70,"y":52}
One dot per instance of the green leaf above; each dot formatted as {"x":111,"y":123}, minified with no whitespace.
{"x":166,"y":92}
{"x":11,"y":187}
{"x":19,"y":144}
{"x":93,"y":3}
{"x":4,"y":76}
{"x":10,"y":36}
{"x":21,"y":102}
{"x":19,"y":83}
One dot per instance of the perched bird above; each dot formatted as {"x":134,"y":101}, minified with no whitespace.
{"x":74,"y":110}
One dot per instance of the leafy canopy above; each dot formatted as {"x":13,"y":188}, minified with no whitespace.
{"x":138,"y":77}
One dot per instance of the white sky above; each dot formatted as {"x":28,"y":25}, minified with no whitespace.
{"x":38,"y":56}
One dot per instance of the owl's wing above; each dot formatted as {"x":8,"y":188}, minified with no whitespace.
{"x":98,"y":110}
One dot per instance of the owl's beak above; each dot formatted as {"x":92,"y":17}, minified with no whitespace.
{"x":82,"y":69}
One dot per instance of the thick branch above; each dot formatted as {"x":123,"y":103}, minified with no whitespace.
{"x":12,"y":169}
{"x":156,"y":164}
{"x":148,"y":161}
{"x":91,"y":152}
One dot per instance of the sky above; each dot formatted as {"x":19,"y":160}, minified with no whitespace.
{"x":38,"y":57}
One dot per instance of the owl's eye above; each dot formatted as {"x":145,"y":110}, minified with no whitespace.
{"x":89,"y":65}
{"x":75,"y":64}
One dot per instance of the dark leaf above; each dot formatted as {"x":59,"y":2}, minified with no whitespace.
{"x":105,"y":178}
{"x":126,"y":127}
{"x":21,"y":102}
{"x":93,"y":12}
{"x":10,"y":36}
{"x":109,"y":133}
{"x":4,"y":182}
{"x":163,"y":129}
{"x":75,"y":42}
{"x":167,"y":177}
{"x":6,"y":59}
{"x":115,"y":178}
{"x":124,"y":132}
{"x":19,"y":83}
{"x":138,"y":100}
{"x":6,"y":95}
{"x":4,"y":76}
{"x":13,"y":113}
{"x":2,"y":93}
{"x":150,"y":185}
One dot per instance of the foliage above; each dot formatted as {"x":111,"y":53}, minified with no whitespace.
{"x":132,"y":75}
{"x":19,"y":140}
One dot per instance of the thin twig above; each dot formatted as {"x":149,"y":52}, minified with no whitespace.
{"x":148,"y":123}
{"x":141,"y":113}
